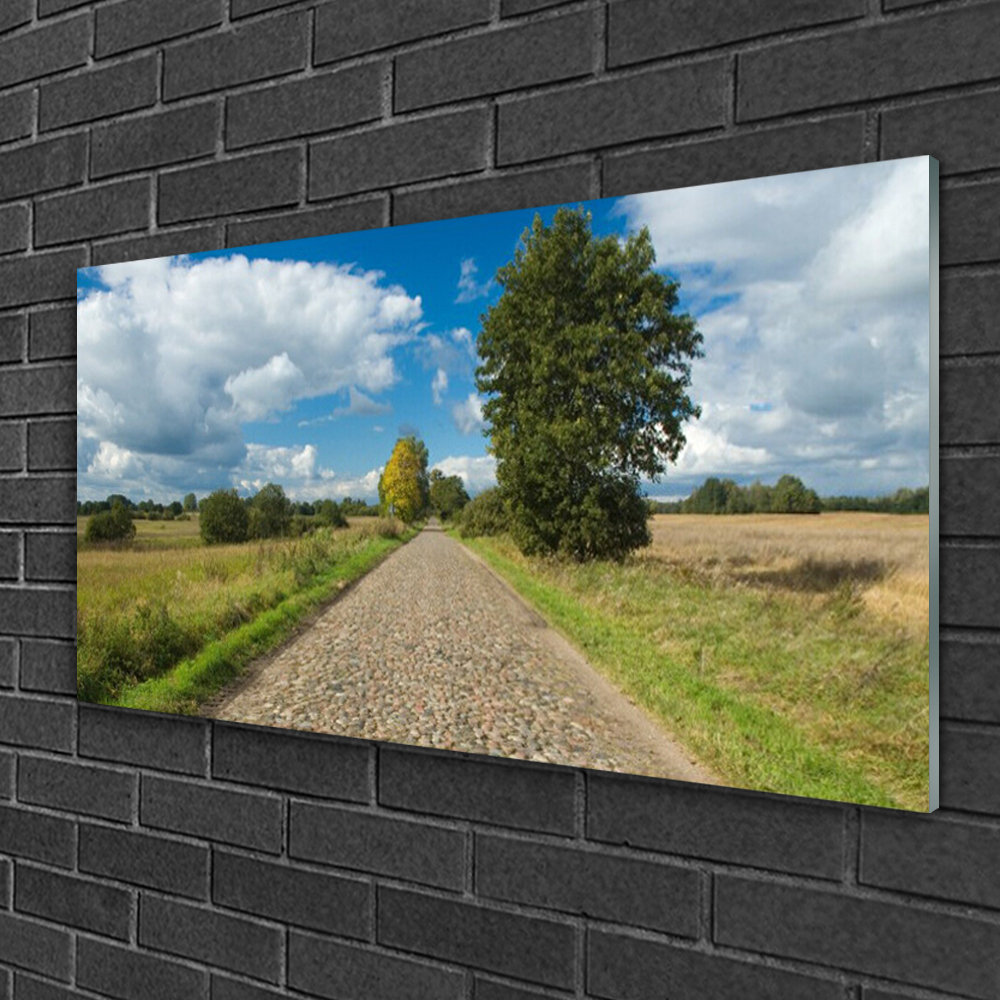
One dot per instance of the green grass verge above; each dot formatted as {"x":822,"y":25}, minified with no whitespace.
{"x":746,"y":743}
{"x":194,"y":681}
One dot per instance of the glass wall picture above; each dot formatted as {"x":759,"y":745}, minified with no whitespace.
{"x":643,"y":484}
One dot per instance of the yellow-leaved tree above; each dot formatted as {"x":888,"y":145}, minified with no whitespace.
{"x":402,"y":487}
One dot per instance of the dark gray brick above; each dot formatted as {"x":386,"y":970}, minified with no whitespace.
{"x":625,"y":968}
{"x":530,"y":948}
{"x":967,"y":488}
{"x":27,"y":833}
{"x":24,"y":391}
{"x":43,"y":166}
{"x":11,"y":447}
{"x":505,"y":793}
{"x":40,"y":277}
{"x":970,"y":681}
{"x":524,"y":189}
{"x":52,"y":446}
{"x":39,"y":500}
{"x":153,"y":861}
{"x":647,"y":29}
{"x":14,"y":13}
{"x":14,"y":222}
{"x":6,"y":880}
{"x":970,"y":304}
{"x":918,"y":854}
{"x":968,"y":768}
{"x":527,"y":55}
{"x":330,"y":903}
{"x":28,"y":944}
{"x":330,"y":969}
{"x":49,"y":613}
{"x":317,"y":104}
{"x":208,"y":936}
{"x":224,"y":988}
{"x":243,"y":818}
{"x":10,"y":555}
{"x":511,"y":8}
{"x":189,"y":240}
{"x":852,"y":66}
{"x":664,"y":102}
{"x":44,"y":50}
{"x":264,"y":180}
{"x":78,"y":902}
{"x":33,"y":722}
{"x":367,"y":213}
{"x":721,"y":825}
{"x":244,"y":8}
{"x":135,"y":23}
{"x":8,"y":663}
{"x":623,"y":890}
{"x":959,"y":131}
{"x":48,"y":666}
{"x":151,"y":141}
{"x":254,"y":52}
{"x":78,"y":788}
{"x":169,"y":743}
{"x":29,"y":988}
{"x":16,"y":113}
{"x":300,"y":762}
{"x":7,"y":761}
{"x":114,"y":971}
{"x":53,"y":335}
{"x":95,"y":211}
{"x":806,"y":146}
{"x":970,"y":223}
{"x":970,"y":404}
{"x":894,"y":940}
{"x":399,"y":153}
{"x":47,"y":7}
{"x":50,"y":556}
{"x":970,"y":582}
{"x":349,"y":27}
{"x":374,"y":842}
{"x":98,"y":94}
{"x":12,"y":331}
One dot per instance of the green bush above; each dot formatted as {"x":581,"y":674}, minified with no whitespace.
{"x":113,"y":525}
{"x":486,"y":514}
{"x":329,"y":515}
{"x":224,"y":518}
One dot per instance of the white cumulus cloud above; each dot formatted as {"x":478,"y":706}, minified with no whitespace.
{"x":478,"y":472}
{"x":468,"y":415}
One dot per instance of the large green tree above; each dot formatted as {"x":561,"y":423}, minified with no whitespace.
{"x":223,"y":519}
{"x":586,"y":365}
{"x":447,"y":494}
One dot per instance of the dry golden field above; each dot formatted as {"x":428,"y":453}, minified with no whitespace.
{"x":883,"y":557}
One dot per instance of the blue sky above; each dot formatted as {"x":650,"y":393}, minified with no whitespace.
{"x":301,"y":362}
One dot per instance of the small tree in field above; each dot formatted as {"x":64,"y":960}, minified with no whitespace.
{"x":402,"y":486}
{"x":113,"y":525}
{"x":447,"y":494}
{"x":223,"y":519}
{"x":270,"y":512}
{"x":586,"y":365}
{"x":190,"y":503}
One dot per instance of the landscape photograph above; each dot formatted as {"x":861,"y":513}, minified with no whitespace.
{"x":643,"y":484}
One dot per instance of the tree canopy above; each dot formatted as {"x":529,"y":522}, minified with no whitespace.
{"x":586,"y":366}
{"x":403,"y":485}
{"x":447,"y":494}
{"x":223,"y":518}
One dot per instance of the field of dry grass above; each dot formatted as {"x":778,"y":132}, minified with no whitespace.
{"x":882,"y":558}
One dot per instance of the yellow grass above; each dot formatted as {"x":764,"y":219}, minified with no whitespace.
{"x":883,"y":557}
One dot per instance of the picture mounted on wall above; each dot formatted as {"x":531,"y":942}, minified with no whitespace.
{"x":644,"y":484}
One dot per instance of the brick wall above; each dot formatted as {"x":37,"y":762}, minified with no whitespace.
{"x":145,"y":856}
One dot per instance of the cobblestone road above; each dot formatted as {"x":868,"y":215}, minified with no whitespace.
{"x":431,"y":648}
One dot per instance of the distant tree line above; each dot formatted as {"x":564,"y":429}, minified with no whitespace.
{"x":224,"y":516}
{"x":789,"y":495}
